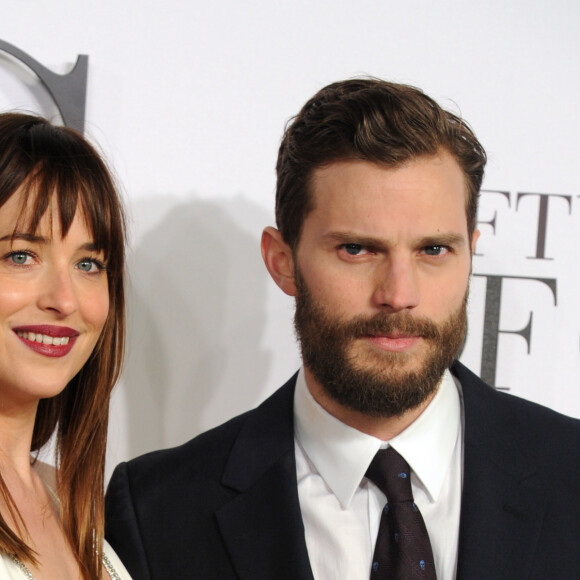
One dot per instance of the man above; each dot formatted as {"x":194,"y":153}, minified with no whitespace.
{"x":376,"y":209}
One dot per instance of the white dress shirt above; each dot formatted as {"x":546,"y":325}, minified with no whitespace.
{"x":341,"y":509}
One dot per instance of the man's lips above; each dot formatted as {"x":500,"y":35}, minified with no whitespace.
{"x":46,"y":339}
{"x":395,"y":342}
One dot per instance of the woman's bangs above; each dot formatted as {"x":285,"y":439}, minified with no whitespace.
{"x":72,"y":192}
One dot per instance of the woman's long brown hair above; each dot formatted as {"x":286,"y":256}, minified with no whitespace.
{"x":51,"y":164}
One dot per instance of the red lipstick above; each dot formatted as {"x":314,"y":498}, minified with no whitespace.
{"x":46,"y":339}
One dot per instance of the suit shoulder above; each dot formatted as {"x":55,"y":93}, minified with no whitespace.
{"x":542,"y":420}
{"x":205,"y":456}
{"x":207,"y":450}
{"x":537,"y":428}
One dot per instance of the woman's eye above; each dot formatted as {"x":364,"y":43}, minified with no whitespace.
{"x":85,"y":266}
{"x":19,"y":258}
{"x":90,"y":266}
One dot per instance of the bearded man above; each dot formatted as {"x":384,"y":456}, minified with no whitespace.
{"x":382,"y":457}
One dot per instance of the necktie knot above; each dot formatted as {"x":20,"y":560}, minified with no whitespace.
{"x":392,"y":475}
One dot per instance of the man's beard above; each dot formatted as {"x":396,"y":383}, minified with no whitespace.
{"x":372,"y":381}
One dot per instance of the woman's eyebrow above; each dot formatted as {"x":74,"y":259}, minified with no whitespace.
{"x":27,"y":237}
{"x":33,"y":238}
{"x":90,"y":247}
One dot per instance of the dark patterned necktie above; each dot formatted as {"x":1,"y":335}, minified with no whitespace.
{"x":403,"y":550}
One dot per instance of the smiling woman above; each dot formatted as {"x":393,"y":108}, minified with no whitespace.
{"x":61,"y":342}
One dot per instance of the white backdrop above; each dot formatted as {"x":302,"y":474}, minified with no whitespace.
{"x":188,"y":100}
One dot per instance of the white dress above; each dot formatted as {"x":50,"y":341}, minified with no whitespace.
{"x":10,"y":570}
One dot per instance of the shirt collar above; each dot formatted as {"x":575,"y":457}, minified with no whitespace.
{"x":341,"y":454}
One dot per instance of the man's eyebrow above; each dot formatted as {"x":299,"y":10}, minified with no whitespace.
{"x":443,"y":240}
{"x":447,"y":239}
{"x":352,"y":238}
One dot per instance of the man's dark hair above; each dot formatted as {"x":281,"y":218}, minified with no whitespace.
{"x":370,"y":120}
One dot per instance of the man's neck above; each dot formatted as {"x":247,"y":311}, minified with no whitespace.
{"x":384,"y":428}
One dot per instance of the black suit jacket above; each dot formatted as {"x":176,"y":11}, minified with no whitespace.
{"x":225,"y":505}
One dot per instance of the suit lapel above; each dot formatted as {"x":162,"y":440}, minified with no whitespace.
{"x":262,"y":526}
{"x":503,"y":502}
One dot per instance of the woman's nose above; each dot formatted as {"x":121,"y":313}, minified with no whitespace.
{"x":58,"y":293}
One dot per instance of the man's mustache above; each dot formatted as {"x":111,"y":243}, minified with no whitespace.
{"x":384,"y":323}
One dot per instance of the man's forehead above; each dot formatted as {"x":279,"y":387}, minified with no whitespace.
{"x":441,"y":155}
{"x":421,"y":199}
{"x":439,"y":174}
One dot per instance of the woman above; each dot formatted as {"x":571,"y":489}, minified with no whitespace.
{"x":61,"y":343}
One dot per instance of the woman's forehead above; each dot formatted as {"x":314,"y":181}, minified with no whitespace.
{"x":32,"y":212}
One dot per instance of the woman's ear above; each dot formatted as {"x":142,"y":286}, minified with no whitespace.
{"x":279,"y":261}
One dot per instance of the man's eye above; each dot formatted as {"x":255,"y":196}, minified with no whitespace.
{"x":436,"y":250}
{"x":353,"y":249}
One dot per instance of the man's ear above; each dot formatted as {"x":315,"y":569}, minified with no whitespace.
{"x":278,"y":258}
{"x":474,"y":238}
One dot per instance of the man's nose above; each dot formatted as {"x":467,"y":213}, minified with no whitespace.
{"x":397,"y":286}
